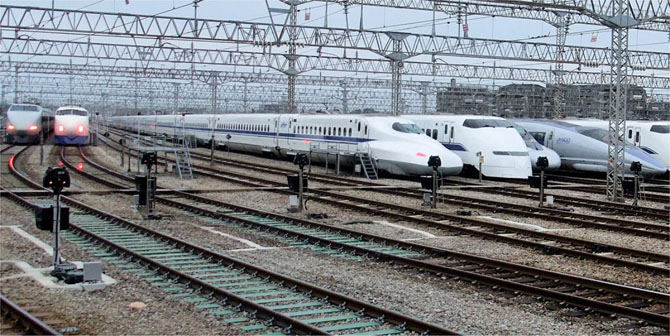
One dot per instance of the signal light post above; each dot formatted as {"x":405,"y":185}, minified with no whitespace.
{"x":636,"y":167}
{"x":542,"y":163}
{"x":301,"y":160}
{"x":56,"y":179}
{"x":435,"y":162}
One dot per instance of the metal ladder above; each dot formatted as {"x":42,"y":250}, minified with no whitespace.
{"x":183,"y":160}
{"x":368,"y":166}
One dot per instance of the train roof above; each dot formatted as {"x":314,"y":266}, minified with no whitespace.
{"x":454,"y":117}
{"x":71,"y":107}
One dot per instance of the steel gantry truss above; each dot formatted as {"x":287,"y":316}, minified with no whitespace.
{"x":150,"y":39}
{"x":26,"y":19}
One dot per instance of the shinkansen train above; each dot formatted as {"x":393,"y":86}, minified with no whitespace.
{"x":652,"y":137}
{"x":71,"y":126}
{"x":585,"y":148}
{"x":396,"y":145}
{"x":25,"y":123}
{"x":493,"y":139}
{"x":535,"y":150}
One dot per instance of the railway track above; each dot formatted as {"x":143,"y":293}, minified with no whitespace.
{"x":452,"y":224}
{"x":606,"y":223}
{"x":16,"y":319}
{"x":652,"y":190}
{"x":224,"y":286}
{"x":578,"y":291}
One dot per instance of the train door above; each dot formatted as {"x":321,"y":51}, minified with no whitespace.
{"x":449,"y":132}
{"x":637,"y":140}
{"x":549,"y":140}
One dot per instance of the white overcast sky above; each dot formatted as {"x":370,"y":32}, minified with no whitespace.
{"x":375,"y":18}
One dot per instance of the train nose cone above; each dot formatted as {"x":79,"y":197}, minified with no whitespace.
{"x":412,"y":158}
{"x":650,"y":165}
{"x":553,"y":158}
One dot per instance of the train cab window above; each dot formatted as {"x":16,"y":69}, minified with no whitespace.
{"x":406,"y":128}
{"x":428,"y":131}
{"x":539,"y":136}
{"x":435,"y":134}
{"x":663,"y":129}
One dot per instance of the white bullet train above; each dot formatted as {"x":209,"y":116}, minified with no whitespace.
{"x":504,"y":152}
{"x":535,"y":150}
{"x":652,"y":137}
{"x":395,"y":145}
{"x":25,"y":123}
{"x":71,"y":126}
{"x":585,"y":148}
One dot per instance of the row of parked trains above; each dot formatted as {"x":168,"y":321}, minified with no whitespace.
{"x":501,"y":148}
{"x":402,"y":145}
{"x":30,"y":124}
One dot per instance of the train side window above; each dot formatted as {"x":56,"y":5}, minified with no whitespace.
{"x":637,"y":137}
{"x":630,"y":134}
{"x":446,"y":129}
{"x":428,"y":131}
{"x":435,"y":134}
{"x":452,"y":132}
{"x":339,"y":131}
{"x":349,"y":131}
{"x":359,"y":126}
{"x":366,"y":129}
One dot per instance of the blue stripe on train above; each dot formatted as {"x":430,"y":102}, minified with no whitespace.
{"x":273,"y":134}
{"x":454,"y":147}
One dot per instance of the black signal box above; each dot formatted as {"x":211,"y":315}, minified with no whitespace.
{"x":149,"y":159}
{"x":294,"y":182}
{"x":44,"y":217}
{"x":141,"y":186}
{"x":56,"y":179}
{"x":534,"y":181}
{"x":427,"y":182}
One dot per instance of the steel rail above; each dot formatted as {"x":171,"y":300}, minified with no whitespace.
{"x":335,"y":298}
{"x":498,"y":234}
{"x":652,"y":230}
{"x":24,"y":318}
{"x":440,"y":269}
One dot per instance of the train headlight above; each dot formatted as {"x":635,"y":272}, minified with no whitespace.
{"x":60,"y":128}
{"x":32,"y":128}
{"x":80,"y":129}
{"x":10,"y":127}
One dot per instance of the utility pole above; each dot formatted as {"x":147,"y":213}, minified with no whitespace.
{"x":214,"y":83}
{"x":136,"y":88}
{"x":345,"y":97}
{"x":562,"y":25}
{"x":619,"y":22}
{"x":396,"y":58}
{"x":292,"y":54}
{"x":16,"y":83}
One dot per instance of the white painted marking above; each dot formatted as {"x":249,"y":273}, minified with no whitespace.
{"x":46,"y":247}
{"x":241,"y":240}
{"x":423,"y":233}
{"x":531,"y":226}
{"x":264,"y":248}
{"x":38,"y":274}
{"x":49,"y":251}
{"x":436,"y":237}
